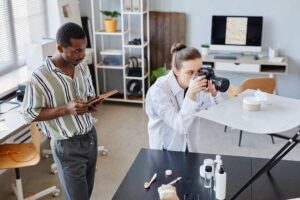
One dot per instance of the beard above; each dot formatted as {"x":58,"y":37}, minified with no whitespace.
{"x":72,"y":62}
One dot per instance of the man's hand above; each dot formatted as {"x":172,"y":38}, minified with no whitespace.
{"x":95,"y":106}
{"x":76,"y":107}
{"x":196,"y":85}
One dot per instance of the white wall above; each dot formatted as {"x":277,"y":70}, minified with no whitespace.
{"x":280,"y":29}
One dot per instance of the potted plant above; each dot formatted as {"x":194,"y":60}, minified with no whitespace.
{"x":204,"y":49}
{"x":111,"y":22}
{"x":158,"y":72}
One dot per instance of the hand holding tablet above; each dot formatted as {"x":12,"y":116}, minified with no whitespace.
{"x":101,"y":97}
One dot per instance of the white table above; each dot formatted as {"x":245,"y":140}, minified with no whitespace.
{"x":278,"y":115}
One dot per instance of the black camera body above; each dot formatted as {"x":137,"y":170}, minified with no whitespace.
{"x":221,"y":83}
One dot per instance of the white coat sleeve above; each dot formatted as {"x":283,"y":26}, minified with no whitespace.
{"x":165,"y":108}
{"x":205,"y":100}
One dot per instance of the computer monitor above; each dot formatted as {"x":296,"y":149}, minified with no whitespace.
{"x":236,"y":33}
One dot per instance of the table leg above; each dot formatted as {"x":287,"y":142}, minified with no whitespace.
{"x":292,"y":142}
{"x":283,"y":137}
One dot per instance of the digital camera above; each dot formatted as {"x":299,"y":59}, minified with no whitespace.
{"x":221,"y":83}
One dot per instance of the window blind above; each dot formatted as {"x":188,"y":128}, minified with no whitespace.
{"x":22,"y":22}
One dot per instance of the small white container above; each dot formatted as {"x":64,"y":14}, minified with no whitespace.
{"x":273,"y":52}
{"x":251,"y":104}
{"x":204,"y":51}
{"x":111,"y":57}
{"x":206,"y":162}
{"x":136,"y":6}
{"x":127,"y":5}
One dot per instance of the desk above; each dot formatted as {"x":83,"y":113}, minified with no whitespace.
{"x":10,"y":81}
{"x":238,"y":169}
{"x":247,"y":64}
{"x":15,"y":123}
{"x":149,"y":161}
{"x":280,"y":114}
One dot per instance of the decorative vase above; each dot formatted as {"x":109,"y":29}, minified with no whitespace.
{"x":204,"y":51}
{"x":110,"y":25}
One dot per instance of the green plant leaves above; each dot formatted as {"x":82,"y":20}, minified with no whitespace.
{"x":111,"y":14}
{"x":155,"y":74}
{"x":115,"y":14}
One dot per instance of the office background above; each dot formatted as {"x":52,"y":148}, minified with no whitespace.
{"x":280,"y":29}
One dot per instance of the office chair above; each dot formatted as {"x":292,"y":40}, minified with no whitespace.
{"x":263,"y":84}
{"x":24,"y":155}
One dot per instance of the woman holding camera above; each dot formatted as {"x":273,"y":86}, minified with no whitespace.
{"x":174,"y":98}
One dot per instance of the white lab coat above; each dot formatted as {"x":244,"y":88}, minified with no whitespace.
{"x":171,"y":124}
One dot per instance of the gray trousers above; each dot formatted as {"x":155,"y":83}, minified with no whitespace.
{"x":76,"y":159}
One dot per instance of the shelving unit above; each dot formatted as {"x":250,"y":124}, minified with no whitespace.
{"x":108,"y":76}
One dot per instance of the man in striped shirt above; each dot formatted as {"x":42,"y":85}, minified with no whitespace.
{"x":55,"y":97}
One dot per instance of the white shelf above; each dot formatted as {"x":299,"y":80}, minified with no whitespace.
{"x":136,"y":46}
{"x":137,"y":78}
{"x":118,"y":33}
{"x":100,"y":65}
{"x":135,"y":13}
{"x":124,"y":100}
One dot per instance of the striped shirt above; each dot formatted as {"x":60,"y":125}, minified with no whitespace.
{"x":50,"y":87}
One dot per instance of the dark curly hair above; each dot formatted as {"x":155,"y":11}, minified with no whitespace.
{"x":68,"y":31}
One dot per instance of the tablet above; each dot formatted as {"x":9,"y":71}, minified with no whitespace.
{"x":101,"y":96}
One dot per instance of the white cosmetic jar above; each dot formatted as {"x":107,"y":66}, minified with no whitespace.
{"x":251,"y":104}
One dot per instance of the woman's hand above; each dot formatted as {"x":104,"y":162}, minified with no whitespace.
{"x":196,"y":85}
{"x":212,"y":88}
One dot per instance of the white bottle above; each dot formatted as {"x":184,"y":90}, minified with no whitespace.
{"x":218,"y":164}
{"x":221,"y":184}
{"x":216,"y":161}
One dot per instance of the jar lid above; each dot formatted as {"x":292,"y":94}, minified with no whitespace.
{"x":168,"y":172}
{"x":208,"y":168}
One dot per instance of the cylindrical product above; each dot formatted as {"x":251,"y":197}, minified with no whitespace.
{"x":251,"y":103}
{"x":219,"y":165}
{"x":216,"y":161}
{"x":221,"y":184}
{"x":206,"y":162}
{"x":208,"y":177}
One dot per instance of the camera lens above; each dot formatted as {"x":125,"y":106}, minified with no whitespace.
{"x":222,"y":84}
